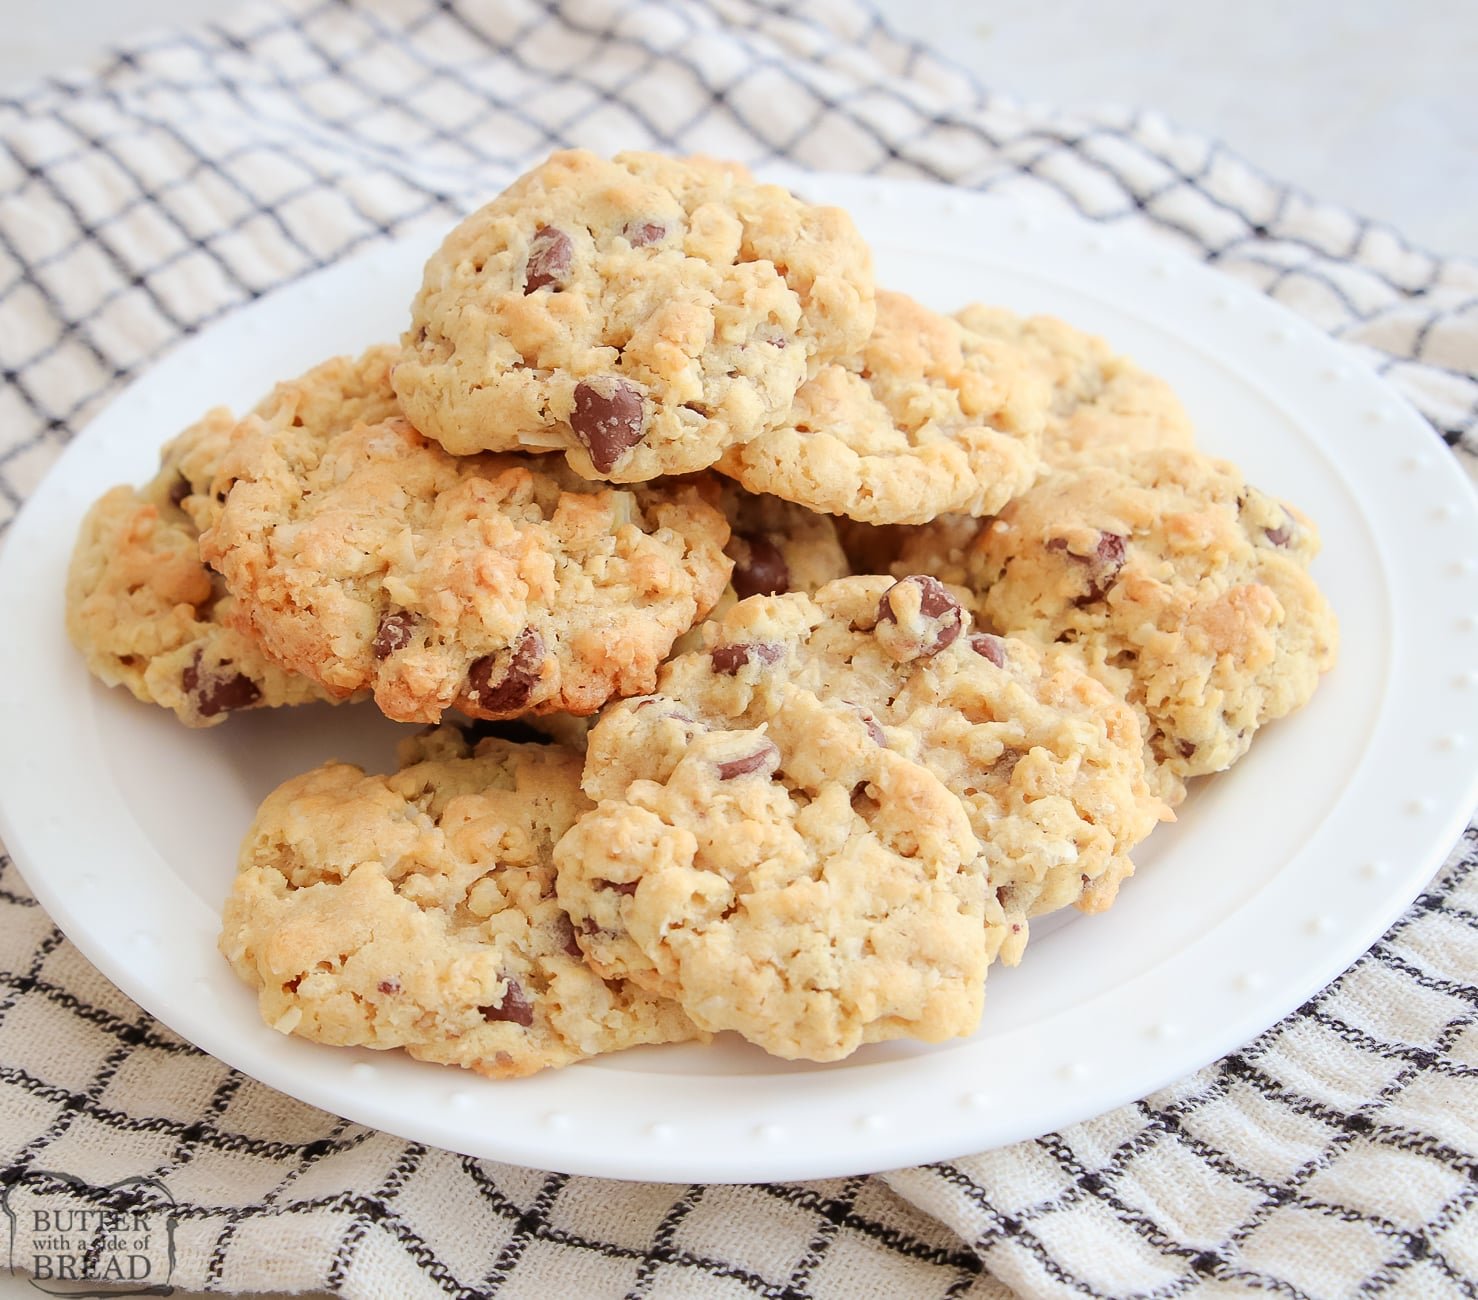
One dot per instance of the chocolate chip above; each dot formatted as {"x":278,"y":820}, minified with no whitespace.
{"x":515,"y":1007}
{"x":394,"y":632}
{"x":567,"y":936}
{"x":764,"y":758}
{"x":989,"y":647}
{"x":731,"y":658}
{"x":609,"y":418}
{"x":759,"y":568}
{"x":389,"y":986}
{"x":179,"y":489}
{"x":942,"y":614}
{"x":550,"y":252}
{"x":1186,"y":747}
{"x":627,"y":887}
{"x":874,"y":727}
{"x":1108,"y":559}
{"x":641,"y":233}
{"x":218,"y":694}
{"x":1279,"y":536}
{"x":494,"y":688}
{"x":1103,"y":564}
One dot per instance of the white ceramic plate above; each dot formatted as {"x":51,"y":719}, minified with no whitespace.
{"x":1277,"y":876}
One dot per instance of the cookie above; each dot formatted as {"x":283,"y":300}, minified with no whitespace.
{"x":929,"y":417}
{"x":1102,"y":405}
{"x":640,"y":315}
{"x":365,"y":556}
{"x":146,"y":612}
{"x":417,"y":911}
{"x":1169,"y":572}
{"x":778,"y":547}
{"x":832,"y":818}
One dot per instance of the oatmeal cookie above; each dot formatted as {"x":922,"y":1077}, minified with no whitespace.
{"x":146,"y":612}
{"x":928,"y":417}
{"x":417,"y":911}
{"x":365,"y":556}
{"x":1170,"y":571}
{"x":776,"y":547}
{"x":1102,"y":405}
{"x":836,"y":814}
{"x":640,"y":315}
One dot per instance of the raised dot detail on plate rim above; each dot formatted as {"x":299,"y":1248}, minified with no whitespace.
{"x":557,"y":1120}
{"x":1418,"y":807}
{"x":1451,"y":742}
{"x":1161,"y":1031}
{"x":1250,"y":981}
{"x":460,"y":1100}
{"x":976,"y":1100}
{"x":872,"y":1123}
{"x":1073,"y":1072}
{"x":1413,"y":463}
{"x":769,"y":1132}
{"x":1319,"y":925}
{"x":1444,"y":512}
{"x":661,"y":1131}
{"x":1374,"y":870}
{"x":1281,"y":334}
{"x":363,"y":1070}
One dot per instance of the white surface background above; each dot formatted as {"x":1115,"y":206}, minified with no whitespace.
{"x":1369,"y":103}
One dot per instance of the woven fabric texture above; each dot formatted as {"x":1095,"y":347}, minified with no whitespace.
{"x":191,"y":173}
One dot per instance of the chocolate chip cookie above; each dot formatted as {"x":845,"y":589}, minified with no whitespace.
{"x":1102,"y":405}
{"x":417,"y":911}
{"x":776,"y":547}
{"x":146,"y":612}
{"x":640,"y":315}
{"x":365,"y":556}
{"x":928,"y":417}
{"x":834,"y":816}
{"x":1171,"y":574}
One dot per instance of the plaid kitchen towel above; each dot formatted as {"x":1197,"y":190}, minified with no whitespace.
{"x":139,"y":201}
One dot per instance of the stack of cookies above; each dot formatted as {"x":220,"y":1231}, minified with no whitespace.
{"x":806,"y":643}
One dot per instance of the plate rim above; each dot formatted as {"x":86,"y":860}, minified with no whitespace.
{"x":875,"y":1140}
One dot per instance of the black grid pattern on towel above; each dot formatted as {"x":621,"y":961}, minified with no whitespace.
{"x":194,"y":172}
